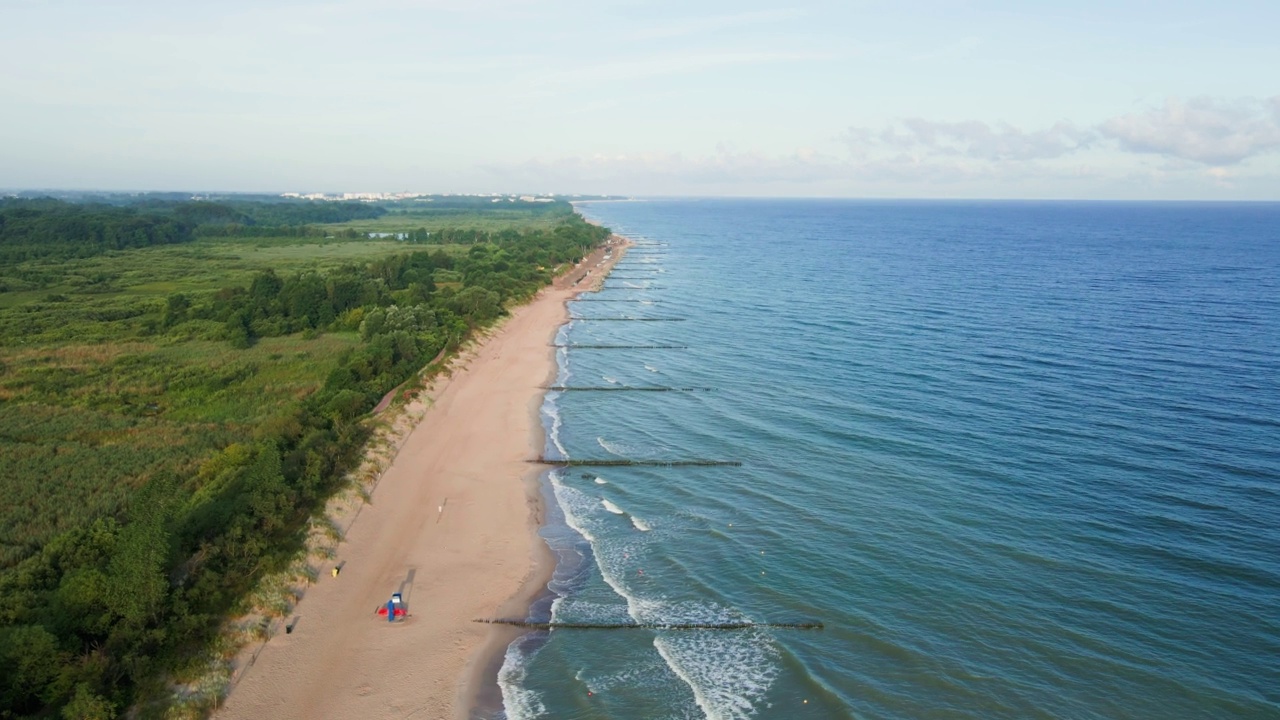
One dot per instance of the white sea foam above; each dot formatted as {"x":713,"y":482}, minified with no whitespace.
{"x":612,"y":508}
{"x":614,"y":448}
{"x":574,"y":609}
{"x":610,"y":380}
{"x":518,"y":702}
{"x":550,"y":404}
{"x":562,"y":362}
{"x":601,"y":481}
{"x":650,"y":368}
{"x":636,"y":672}
{"x":729,"y":673}
{"x":641,"y":525}
{"x":577,"y":508}
{"x":552,"y":411}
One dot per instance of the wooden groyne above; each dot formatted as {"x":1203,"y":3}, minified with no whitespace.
{"x":627,"y":462}
{"x":624,"y":347}
{"x":625,"y":388}
{"x":629,"y":319}
{"x":534,"y":625}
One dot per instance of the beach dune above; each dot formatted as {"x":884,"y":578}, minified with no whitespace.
{"x":478,"y":557}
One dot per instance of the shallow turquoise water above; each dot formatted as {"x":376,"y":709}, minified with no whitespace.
{"x":1022,"y":459}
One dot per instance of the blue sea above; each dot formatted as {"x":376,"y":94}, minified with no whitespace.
{"x":1021,"y":459}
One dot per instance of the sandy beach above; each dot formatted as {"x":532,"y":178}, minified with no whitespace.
{"x":452,"y":525}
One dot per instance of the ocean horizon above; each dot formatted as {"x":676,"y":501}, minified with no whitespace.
{"x":1017,"y":457}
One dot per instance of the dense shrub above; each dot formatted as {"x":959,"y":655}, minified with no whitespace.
{"x":91,"y":616}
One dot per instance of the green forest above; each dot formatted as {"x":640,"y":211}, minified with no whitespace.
{"x":183,"y":384}
{"x":48,"y":228}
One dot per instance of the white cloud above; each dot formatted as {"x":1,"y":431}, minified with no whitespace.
{"x":1201,"y":130}
{"x":1186,"y":150}
{"x":972,"y":138}
{"x":1209,"y":131}
{"x":654,"y":169}
{"x":802,"y":171}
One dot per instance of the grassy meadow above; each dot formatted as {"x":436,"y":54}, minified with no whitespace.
{"x":81,"y":426}
{"x":89,"y":392}
{"x":480,"y":215}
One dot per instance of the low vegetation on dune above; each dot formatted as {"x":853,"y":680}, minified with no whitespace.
{"x":183,"y":384}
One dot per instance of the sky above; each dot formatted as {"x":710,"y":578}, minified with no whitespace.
{"x":930,"y":99}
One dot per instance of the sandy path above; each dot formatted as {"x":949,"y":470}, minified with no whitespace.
{"x":470,"y":454}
